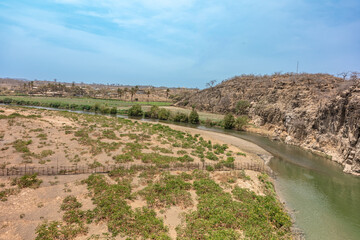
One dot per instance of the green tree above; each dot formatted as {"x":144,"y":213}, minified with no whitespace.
{"x":154,"y":112}
{"x":242,"y":107}
{"x":229,"y":121}
{"x":113,"y":111}
{"x":240,"y":122}
{"x":135,"y":111}
{"x":96,"y":107}
{"x":163,"y":114}
{"x":194,"y":117}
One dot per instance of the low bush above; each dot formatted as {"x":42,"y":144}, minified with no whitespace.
{"x":185,"y":158}
{"x":169,"y":190}
{"x":211,"y":156}
{"x":135,"y":111}
{"x":163,"y":114}
{"x":229,"y":121}
{"x":27,"y":181}
{"x":180,"y":117}
{"x":113,"y":111}
{"x":241,"y":122}
{"x":154,"y":112}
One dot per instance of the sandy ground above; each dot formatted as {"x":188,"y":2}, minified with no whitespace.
{"x":243,"y":145}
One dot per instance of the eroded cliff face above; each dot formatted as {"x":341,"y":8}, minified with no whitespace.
{"x":315,"y":111}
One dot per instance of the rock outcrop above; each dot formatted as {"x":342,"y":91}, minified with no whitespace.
{"x":316,"y":111}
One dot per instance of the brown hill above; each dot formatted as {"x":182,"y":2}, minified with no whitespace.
{"x":316,"y":111}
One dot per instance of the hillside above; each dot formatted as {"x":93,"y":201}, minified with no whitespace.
{"x":316,"y":111}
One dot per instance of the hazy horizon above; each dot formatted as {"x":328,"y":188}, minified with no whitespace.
{"x":183,"y":43}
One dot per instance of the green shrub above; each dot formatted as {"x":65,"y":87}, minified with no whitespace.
{"x":194,"y":117}
{"x":113,"y":111}
{"x":169,"y":190}
{"x":110,"y":134}
{"x":46,"y":153}
{"x":154,"y":112}
{"x":21,"y":146}
{"x":135,"y":111}
{"x":181,"y":152}
{"x":161,"y":149}
{"x":163,"y":114}
{"x":180,"y":117}
{"x":240,"y":122}
{"x":229,"y":121}
{"x":209,"y":168}
{"x":70,"y":203}
{"x":211,"y":156}
{"x":123,"y":158}
{"x":157,"y":158}
{"x":185,"y":158}
{"x":27,"y":181}
{"x":242,"y":107}
{"x":4,"y":194}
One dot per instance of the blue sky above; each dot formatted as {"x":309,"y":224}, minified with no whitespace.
{"x":175,"y":43}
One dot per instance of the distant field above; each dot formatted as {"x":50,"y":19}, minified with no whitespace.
{"x":84,"y":101}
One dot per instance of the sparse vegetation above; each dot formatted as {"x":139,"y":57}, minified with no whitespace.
{"x":27,"y":181}
{"x":102,"y":140}
{"x":169,"y":190}
{"x":218,"y":216}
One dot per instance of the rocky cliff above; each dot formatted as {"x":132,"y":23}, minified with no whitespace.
{"x":316,"y":111}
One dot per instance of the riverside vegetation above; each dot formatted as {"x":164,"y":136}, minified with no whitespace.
{"x":114,"y":107}
{"x":138,"y":202}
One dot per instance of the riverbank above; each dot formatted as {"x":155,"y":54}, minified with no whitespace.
{"x":327,"y":150}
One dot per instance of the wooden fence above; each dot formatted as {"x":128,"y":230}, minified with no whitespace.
{"x":85,"y":169}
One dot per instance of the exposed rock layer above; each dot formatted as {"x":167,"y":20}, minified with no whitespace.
{"x":316,"y":111}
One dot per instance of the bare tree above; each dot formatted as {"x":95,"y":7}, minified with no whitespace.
{"x":344,"y":75}
{"x":354,"y":76}
{"x":211,"y":83}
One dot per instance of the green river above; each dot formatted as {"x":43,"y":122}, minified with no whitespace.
{"x":324,"y":201}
